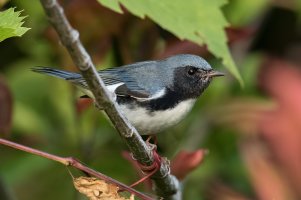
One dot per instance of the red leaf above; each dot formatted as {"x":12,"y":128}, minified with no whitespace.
{"x":185,"y":162}
{"x":82,"y":104}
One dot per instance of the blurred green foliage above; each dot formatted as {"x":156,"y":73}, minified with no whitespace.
{"x":45,"y":109}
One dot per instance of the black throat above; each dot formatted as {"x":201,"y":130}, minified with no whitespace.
{"x":168,"y":101}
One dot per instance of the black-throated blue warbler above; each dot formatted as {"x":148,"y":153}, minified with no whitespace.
{"x":153,"y":95}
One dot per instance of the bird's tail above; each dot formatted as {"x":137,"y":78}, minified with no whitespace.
{"x":57,"y":73}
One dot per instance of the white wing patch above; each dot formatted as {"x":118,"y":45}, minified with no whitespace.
{"x":113,"y":87}
{"x":157,"y":95}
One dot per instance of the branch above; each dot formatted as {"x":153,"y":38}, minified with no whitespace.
{"x":167,"y":186}
{"x":69,"y":161}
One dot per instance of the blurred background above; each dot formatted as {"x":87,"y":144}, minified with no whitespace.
{"x":252,"y":135}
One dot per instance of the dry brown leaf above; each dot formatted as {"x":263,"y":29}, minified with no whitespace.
{"x":96,"y":189}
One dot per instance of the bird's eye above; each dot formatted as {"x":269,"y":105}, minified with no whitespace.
{"x":191,"y":71}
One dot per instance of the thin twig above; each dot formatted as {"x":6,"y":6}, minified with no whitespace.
{"x":167,"y":186}
{"x":69,"y":161}
{"x":34,"y":151}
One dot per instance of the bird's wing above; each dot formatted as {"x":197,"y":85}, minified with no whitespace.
{"x":118,"y":82}
{"x":125,"y":83}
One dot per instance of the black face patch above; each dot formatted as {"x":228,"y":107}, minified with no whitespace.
{"x":188,"y":84}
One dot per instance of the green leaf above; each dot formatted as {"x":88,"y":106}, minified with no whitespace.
{"x":11,"y":24}
{"x":200,"y":21}
{"x":113,"y":5}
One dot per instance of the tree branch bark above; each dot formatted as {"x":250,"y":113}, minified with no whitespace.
{"x":167,"y":186}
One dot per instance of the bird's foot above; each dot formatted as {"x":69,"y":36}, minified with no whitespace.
{"x":149,"y":170}
{"x":152,"y":146}
{"x":150,"y":137}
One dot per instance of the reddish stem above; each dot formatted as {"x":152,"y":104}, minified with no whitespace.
{"x":69,"y":161}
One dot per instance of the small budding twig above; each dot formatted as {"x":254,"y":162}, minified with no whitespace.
{"x":69,"y":161}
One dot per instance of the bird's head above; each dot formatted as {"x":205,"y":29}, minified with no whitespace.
{"x":190,"y":74}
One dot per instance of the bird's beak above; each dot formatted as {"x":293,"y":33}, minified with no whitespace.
{"x":213,"y":73}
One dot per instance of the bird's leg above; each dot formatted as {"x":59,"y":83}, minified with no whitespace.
{"x":148,"y":139}
{"x":154,"y":137}
{"x":149,"y":170}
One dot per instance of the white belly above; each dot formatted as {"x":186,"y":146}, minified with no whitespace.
{"x":147,"y":122}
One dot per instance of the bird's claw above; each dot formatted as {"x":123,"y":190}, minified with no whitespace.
{"x":152,"y":147}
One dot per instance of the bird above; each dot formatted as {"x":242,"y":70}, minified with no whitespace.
{"x":152,"y":95}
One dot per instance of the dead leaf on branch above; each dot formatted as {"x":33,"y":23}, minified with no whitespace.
{"x":96,"y":189}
